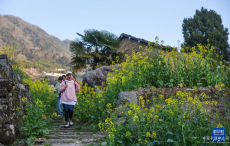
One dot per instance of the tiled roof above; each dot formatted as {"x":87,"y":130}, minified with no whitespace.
{"x":123,"y":36}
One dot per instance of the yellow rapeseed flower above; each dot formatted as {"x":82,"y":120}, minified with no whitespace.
{"x":135,"y":117}
{"x":185,"y":115}
{"x":24,"y":99}
{"x":148,"y":134}
{"x":214,"y":102}
{"x":222,"y":85}
{"x":219,"y":126}
{"x":154,"y":134}
{"x":128,"y":133}
{"x":130,"y":113}
{"x":203,"y":95}
{"x":54,"y":114}
{"x":151,"y":109}
{"x":161,"y":96}
{"x":99,"y":125}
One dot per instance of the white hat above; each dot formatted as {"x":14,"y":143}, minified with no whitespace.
{"x":69,"y":72}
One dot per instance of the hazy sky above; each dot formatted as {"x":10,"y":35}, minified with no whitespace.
{"x":141,"y":18}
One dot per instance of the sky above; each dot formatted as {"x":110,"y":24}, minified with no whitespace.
{"x":144,"y":19}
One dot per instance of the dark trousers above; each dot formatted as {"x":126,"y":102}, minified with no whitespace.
{"x":68,"y":109}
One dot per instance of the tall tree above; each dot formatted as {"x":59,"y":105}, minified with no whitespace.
{"x":99,"y":46}
{"x":206,"y":25}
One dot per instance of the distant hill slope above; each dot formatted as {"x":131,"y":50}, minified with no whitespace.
{"x":36,"y":47}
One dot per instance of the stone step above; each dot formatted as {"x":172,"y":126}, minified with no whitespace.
{"x":61,"y":136}
{"x":63,"y":122}
{"x":66,"y":141}
{"x":76,"y":136}
{"x":70,"y":128}
{"x":58,"y":130}
{"x":77,"y":127}
{"x":80,"y":144}
{"x":73,"y":132}
{"x":58,"y":118}
{"x":77,"y":133}
{"x":56,"y":141}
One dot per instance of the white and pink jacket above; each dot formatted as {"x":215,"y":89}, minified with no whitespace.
{"x":70,"y":92}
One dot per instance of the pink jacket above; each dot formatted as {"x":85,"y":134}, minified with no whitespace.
{"x":70,"y":92}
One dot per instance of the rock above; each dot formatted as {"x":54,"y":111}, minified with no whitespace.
{"x":22,"y":87}
{"x":21,"y":143}
{"x":121,"y":121}
{"x":146,"y":93}
{"x":122,"y":111}
{"x":7,"y":133}
{"x":127,"y":97}
{"x":96,"y":77}
{"x":11,"y":94}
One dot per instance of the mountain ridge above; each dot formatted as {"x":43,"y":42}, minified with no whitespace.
{"x":33,"y":43}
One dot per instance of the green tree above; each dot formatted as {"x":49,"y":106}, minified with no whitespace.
{"x":206,"y":25}
{"x":99,"y":46}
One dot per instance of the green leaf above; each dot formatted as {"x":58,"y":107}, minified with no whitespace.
{"x":161,"y":120}
{"x":120,"y":141}
{"x":170,"y":133}
{"x":155,"y":142}
{"x":46,"y":131}
{"x":194,"y":138}
{"x":170,"y":140}
{"x":190,"y":137}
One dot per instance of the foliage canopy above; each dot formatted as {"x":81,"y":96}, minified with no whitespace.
{"x":99,"y":46}
{"x":206,"y":25}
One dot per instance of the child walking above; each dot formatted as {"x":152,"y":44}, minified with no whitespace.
{"x":68,"y":88}
{"x":60,"y":79}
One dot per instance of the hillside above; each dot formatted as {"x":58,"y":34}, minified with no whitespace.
{"x":37,"y":48}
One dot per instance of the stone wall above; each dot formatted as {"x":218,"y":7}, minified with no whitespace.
{"x":221,"y":96}
{"x":11,"y":93}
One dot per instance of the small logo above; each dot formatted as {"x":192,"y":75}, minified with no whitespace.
{"x":218,"y":134}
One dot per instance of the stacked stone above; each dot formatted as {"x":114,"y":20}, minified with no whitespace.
{"x":11,"y":94}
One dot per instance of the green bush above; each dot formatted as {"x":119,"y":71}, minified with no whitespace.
{"x":181,"y":120}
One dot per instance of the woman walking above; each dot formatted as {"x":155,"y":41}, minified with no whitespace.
{"x":68,"y":88}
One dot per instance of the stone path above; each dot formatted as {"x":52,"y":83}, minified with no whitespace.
{"x":72,"y":136}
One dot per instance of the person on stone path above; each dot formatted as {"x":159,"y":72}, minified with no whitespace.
{"x":73,"y":77}
{"x":60,"y":79}
{"x":64,"y":77}
{"x":68,"y":88}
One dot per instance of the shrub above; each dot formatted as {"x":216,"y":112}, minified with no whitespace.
{"x":168,"y":69}
{"x":180,"y":120}
{"x":35,"y":122}
{"x":92,"y":105}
